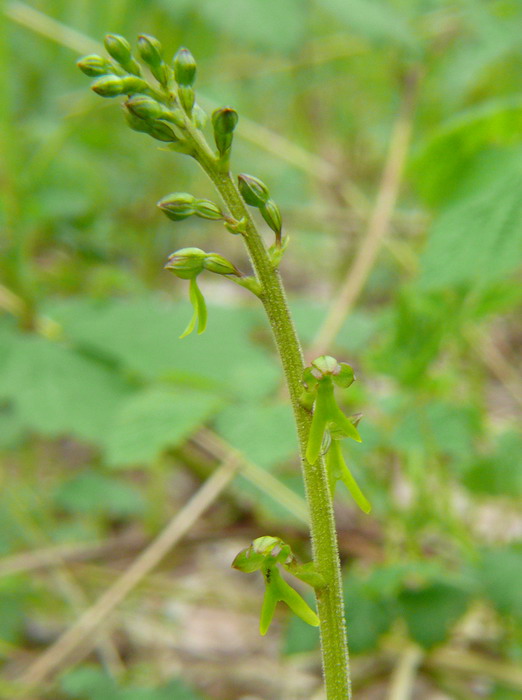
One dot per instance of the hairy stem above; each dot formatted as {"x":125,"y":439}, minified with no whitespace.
{"x":330,"y":604}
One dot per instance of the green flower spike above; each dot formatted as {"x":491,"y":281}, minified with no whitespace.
{"x":320,"y":378}
{"x":266,"y":553}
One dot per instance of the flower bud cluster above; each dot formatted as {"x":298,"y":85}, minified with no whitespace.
{"x":256,"y":194}
{"x":149,"y":109}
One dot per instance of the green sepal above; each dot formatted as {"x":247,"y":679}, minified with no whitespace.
{"x":345,"y":377}
{"x":248,"y":560}
{"x":338,"y":471}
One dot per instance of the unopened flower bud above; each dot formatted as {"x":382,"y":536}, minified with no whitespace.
{"x":160,"y":130}
{"x":224,"y":121}
{"x":108,"y":86}
{"x":206,"y":209}
{"x":133,"y":85}
{"x":253,"y":191}
{"x":220,"y":265}
{"x":94,"y":65}
{"x":146,"y":107}
{"x":118,"y":47}
{"x":186,"y":263}
{"x":272,"y":216}
{"x":184,"y":68}
{"x":178,"y":206}
{"x":135,"y":123}
{"x":150,"y":50}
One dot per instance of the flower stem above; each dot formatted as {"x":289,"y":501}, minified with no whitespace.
{"x":330,"y":604}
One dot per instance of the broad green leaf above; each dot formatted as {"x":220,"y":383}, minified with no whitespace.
{"x":89,"y":683}
{"x":368,"y":616}
{"x":439,"y":426}
{"x":477,"y":240}
{"x":450,"y":153}
{"x":500,"y":574}
{"x":92,"y":493}
{"x":264,"y":433}
{"x":12,"y":613}
{"x":143,"y":336}
{"x":300,"y":637}
{"x":154,"y":420}
{"x":499,"y":474}
{"x":431,"y":611}
{"x":12,"y":429}
{"x":57,"y":391}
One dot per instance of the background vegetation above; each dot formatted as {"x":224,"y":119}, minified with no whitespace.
{"x":397,"y":122}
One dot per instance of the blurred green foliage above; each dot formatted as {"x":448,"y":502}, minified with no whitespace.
{"x":99,"y":398}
